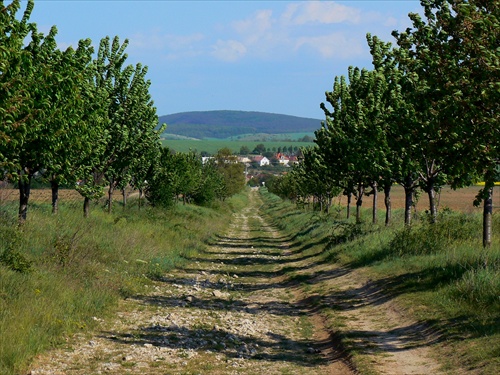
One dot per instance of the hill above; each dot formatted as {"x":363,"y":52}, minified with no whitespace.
{"x":223,"y":124}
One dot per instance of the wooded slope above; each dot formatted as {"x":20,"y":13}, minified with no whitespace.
{"x":225,"y":123}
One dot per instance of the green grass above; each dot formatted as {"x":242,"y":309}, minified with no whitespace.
{"x":439,"y":272}
{"x":57,"y":272}
{"x":213,"y":145}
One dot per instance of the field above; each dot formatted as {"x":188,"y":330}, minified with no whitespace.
{"x":457,"y":200}
{"x":213,"y":145}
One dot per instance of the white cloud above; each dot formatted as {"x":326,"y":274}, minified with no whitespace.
{"x":322,"y":26}
{"x":259,"y":23}
{"x":320,"y":12}
{"x":270,"y":35}
{"x":228,"y":50}
{"x":332,"y":45}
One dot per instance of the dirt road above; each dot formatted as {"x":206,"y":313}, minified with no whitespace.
{"x":233,"y":310}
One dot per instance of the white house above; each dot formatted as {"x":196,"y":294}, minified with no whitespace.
{"x":262,"y":160}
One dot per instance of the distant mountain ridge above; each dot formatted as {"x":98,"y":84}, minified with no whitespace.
{"x":226,"y":123}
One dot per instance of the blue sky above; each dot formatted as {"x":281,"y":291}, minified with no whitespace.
{"x":269,"y":56}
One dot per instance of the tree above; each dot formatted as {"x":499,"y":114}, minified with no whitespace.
{"x":259,"y":149}
{"x":67,"y":138}
{"x":458,"y":45}
{"x":355,"y":133}
{"x":15,"y":101}
{"x":50,"y":120}
{"x":232,"y":172}
{"x":160,"y":190}
{"x":132,"y":115}
{"x":211,"y":184}
{"x":244,"y":150}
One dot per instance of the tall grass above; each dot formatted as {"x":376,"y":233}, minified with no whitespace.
{"x":439,"y":271}
{"x":57,"y":272}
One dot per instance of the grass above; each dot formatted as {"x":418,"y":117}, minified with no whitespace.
{"x":440,"y":273}
{"x":57,"y":272}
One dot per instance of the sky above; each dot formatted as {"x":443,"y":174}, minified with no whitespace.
{"x":268,"y":56}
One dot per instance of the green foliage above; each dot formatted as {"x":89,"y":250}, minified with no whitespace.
{"x":13,"y":259}
{"x":11,"y":245}
{"x":232,"y":173}
{"x":183,"y":176}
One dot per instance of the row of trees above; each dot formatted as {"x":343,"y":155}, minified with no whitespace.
{"x":75,"y":119}
{"x":425,"y":115}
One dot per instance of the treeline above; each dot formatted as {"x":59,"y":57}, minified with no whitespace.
{"x":426,"y":115}
{"x":71,"y":118}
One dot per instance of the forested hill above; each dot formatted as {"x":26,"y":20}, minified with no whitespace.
{"x":223,"y":124}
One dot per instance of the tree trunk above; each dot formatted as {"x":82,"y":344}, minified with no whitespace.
{"x":349,"y":196}
{"x":124,"y":195}
{"x":374,"y":206}
{"x":408,"y":203}
{"x":387,"y":201}
{"x":487,"y":218}
{"x":110,"y":196}
{"x":24,"y":196}
{"x":86,"y":207}
{"x":431,"y":192}
{"x":409,"y":186}
{"x":359,"y":202}
{"x":54,"y":185}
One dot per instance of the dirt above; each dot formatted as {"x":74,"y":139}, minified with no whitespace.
{"x":234,"y":310}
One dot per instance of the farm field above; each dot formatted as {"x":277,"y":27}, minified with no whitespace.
{"x":456,"y":200}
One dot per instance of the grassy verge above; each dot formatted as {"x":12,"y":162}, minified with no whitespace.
{"x":59,"y":272}
{"x":439,"y":273}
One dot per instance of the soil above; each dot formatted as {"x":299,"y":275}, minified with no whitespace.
{"x":235,"y":310}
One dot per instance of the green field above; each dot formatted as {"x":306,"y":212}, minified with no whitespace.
{"x":263,"y":137}
{"x":213,"y":145}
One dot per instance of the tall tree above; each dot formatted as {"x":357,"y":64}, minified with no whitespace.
{"x":16,"y":102}
{"x":132,"y":115}
{"x":458,"y":47}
